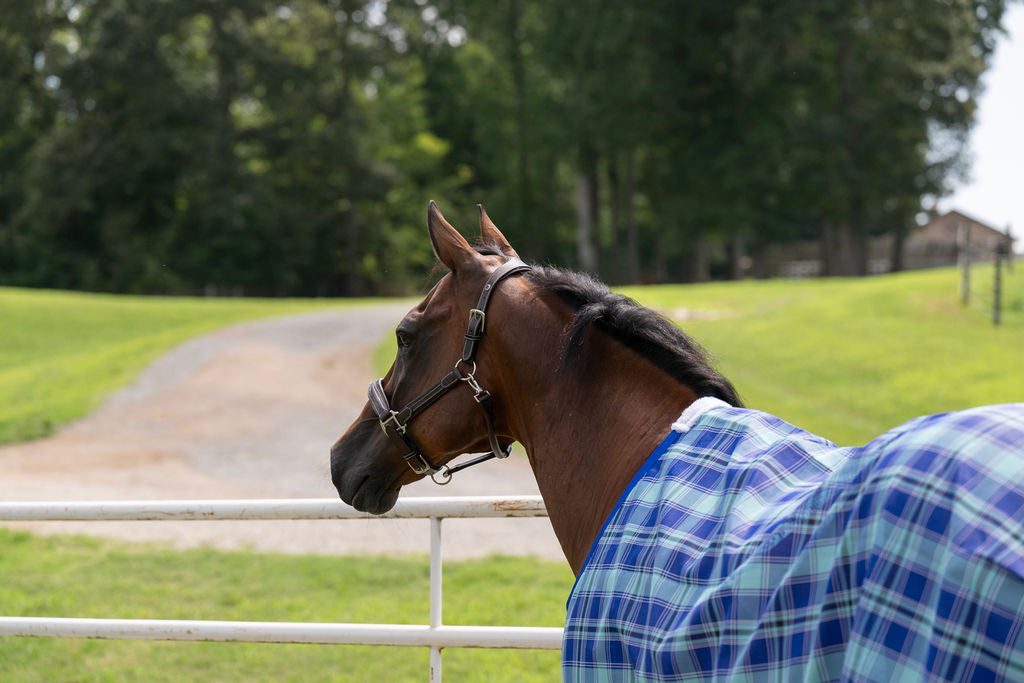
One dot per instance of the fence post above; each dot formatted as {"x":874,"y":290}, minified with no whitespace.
{"x":997,"y":295}
{"x":435,"y":595}
{"x":965,"y":263}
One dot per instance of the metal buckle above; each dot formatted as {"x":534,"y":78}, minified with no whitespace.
{"x":419,"y":463}
{"x":476,"y":313}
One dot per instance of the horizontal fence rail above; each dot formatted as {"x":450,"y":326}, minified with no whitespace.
{"x":282,"y":508}
{"x":435,"y":635}
{"x":523,"y":637}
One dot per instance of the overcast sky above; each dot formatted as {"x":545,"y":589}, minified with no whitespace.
{"x":995,"y":193}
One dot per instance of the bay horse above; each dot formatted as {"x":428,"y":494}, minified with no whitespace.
{"x":708,"y":540}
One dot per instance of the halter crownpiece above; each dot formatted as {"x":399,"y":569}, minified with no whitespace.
{"x":395,"y":422}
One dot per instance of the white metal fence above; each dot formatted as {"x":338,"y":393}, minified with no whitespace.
{"x":435,"y":635}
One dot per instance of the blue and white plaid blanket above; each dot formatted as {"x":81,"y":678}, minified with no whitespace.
{"x":748,"y":549}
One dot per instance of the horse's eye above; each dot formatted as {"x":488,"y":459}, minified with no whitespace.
{"x":404,"y":338}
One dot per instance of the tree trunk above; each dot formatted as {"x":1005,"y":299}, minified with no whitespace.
{"x":659,"y":262}
{"x":736,"y":256}
{"x":860,"y":243}
{"x":631,"y":254}
{"x":829,"y":250}
{"x":524,"y":194}
{"x":701,"y":269}
{"x":844,"y":249}
{"x":852,"y":232}
{"x":899,"y":241}
{"x":348,"y":280}
{"x":858,"y":240}
{"x":586,"y":210}
{"x":617,"y":267}
{"x":761,"y":268}
{"x":621,"y":191}
{"x":350,"y":283}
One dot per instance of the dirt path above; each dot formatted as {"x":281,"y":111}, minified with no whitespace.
{"x":250,"y":411}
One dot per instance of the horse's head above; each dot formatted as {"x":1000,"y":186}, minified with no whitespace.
{"x":432,"y":405}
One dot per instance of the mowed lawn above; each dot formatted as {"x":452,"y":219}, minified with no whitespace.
{"x":850,"y":358}
{"x":64,"y":576}
{"x":844,"y":358}
{"x":61,"y":352}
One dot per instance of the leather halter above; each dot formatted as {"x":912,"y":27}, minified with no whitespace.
{"x":395,"y":422}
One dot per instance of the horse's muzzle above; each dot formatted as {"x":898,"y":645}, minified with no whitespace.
{"x":360,"y":483}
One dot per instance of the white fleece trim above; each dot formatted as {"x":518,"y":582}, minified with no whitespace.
{"x":695,"y":411}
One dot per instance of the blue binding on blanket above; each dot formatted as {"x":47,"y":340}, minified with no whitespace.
{"x":747,"y":548}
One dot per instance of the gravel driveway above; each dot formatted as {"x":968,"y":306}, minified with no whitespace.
{"x":250,"y":411}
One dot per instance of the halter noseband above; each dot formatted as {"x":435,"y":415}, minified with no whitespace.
{"x":395,"y":422}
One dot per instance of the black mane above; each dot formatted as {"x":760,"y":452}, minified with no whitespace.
{"x":644,"y":331}
{"x":641,"y":329}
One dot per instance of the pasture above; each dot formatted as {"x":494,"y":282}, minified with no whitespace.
{"x":79,"y":576}
{"x":61,"y":352}
{"x":846,"y":359}
{"x":850,"y":358}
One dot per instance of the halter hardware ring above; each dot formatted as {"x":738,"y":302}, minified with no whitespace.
{"x":463,"y":375}
{"x":469,"y":379}
{"x":445,"y":472}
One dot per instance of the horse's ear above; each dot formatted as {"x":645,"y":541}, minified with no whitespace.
{"x":451,"y":248}
{"x":489,"y":234}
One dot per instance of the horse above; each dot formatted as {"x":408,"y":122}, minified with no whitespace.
{"x":708,"y":540}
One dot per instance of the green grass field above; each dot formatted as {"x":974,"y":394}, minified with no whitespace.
{"x":844,"y":358}
{"x":79,"y":577}
{"x":849,"y":359}
{"x":61,"y":352}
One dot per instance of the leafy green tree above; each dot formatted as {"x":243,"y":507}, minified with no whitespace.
{"x":27,"y":111}
{"x":879,"y":97}
{"x":494,"y":100}
{"x":249,"y":146}
{"x":226,"y":147}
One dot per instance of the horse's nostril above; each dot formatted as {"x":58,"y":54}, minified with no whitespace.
{"x":337,"y":469}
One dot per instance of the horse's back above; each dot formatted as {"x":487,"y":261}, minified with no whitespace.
{"x":942,"y":593}
{"x":901,"y":559}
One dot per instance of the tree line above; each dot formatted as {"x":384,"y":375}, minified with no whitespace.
{"x":289,"y":147}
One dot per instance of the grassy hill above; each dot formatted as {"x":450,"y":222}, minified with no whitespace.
{"x":851,"y":358}
{"x":844,"y":358}
{"x":61,"y":352}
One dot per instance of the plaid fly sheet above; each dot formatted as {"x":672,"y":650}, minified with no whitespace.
{"x":747,"y":549}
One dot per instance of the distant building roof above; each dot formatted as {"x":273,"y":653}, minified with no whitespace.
{"x":948,"y":225}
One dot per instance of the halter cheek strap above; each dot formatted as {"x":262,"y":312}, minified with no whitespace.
{"x":395,"y":422}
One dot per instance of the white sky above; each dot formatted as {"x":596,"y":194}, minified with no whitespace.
{"x":995,"y":192}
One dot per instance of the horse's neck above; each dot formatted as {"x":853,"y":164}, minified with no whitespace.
{"x":589,"y":429}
